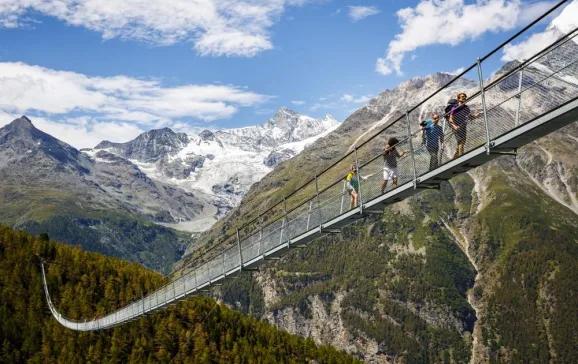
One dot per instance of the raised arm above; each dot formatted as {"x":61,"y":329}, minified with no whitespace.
{"x":452,"y":122}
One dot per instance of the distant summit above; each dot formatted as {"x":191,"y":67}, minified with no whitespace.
{"x":223,"y":164}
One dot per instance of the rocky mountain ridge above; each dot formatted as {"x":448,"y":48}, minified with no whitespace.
{"x":221,"y":165}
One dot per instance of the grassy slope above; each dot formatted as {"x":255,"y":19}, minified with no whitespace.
{"x":95,"y":228}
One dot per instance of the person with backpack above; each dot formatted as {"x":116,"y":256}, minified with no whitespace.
{"x":459,"y":116}
{"x":434,"y":136}
{"x":352,"y":186}
{"x":390,"y":155}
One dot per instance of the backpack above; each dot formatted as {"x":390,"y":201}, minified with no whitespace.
{"x":450,"y":106}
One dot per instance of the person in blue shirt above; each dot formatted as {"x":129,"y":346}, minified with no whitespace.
{"x":433,"y":135}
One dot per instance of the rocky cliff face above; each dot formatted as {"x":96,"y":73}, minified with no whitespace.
{"x":150,"y":146}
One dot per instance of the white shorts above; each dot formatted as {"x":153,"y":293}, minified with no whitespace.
{"x":389,"y":173}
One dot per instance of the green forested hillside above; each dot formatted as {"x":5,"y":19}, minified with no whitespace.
{"x":403,"y":279}
{"x":86,"y":285}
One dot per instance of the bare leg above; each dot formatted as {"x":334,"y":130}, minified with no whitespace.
{"x":394,"y":185}
{"x":383,"y":186}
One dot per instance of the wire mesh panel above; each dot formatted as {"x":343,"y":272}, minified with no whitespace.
{"x":203,"y":274}
{"x":330,"y":201}
{"x":190,"y":281}
{"x":179,"y":286}
{"x":232,"y":258}
{"x":271,"y":235}
{"x":251,"y":246}
{"x":216,"y":267}
{"x":297,"y":219}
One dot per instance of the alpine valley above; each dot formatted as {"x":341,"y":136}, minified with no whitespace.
{"x":134,"y":200}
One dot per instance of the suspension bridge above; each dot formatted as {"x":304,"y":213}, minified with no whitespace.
{"x":528,"y":99}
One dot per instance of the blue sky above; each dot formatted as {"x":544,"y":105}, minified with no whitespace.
{"x":86,"y":72}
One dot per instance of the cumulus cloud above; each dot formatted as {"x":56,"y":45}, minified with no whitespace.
{"x":381,"y":67}
{"x":362,"y":99}
{"x":347,"y":98}
{"x":354,"y":99}
{"x":216,"y":27}
{"x":452,"y":22}
{"x":113,"y":107}
{"x":82,"y":132}
{"x":119,"y":97}
{"x":564,"y":23}
{"x":357,"y":13}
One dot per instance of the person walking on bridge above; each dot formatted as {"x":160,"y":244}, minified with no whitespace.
{"x":352,"y":186}
{"x":390,"y":155}
{"x":459,"y":117}
{"x":434,"y":136}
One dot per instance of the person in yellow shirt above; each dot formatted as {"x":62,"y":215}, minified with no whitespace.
{"x":352,"y":186}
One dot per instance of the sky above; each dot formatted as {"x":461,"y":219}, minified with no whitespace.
{"x":92,"y":70}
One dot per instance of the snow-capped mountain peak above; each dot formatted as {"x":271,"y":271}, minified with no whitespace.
{"x":225,"y":163}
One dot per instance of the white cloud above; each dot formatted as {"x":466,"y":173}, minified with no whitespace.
{"x":298,"y":102}
{"x":362,"y":99}
{"x":530,"y":11}
{"x":357,"y":13}
{"x":122,"y":98}
{"x":382,"y":67}
{"x":452,"y":22}
{"x":565,"y":22}
{"x":216,"y":27}
{"x":357,"y":100}
{"x":82,"y":132}
{"x":347,"y":98}
{"x":457,"y":71}
{"x":114,"y":108}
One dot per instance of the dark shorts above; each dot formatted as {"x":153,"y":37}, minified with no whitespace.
{"x":461,"y":134}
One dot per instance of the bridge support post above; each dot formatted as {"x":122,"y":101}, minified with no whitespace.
{"x":318,"y":203}
{"x":240,"y":252}
{"x":411,"y":150}
{"x":284,"y":222}
{"x":360,"y":196}
{"x":483,"y":96}
{"x":309,"y":215}
{"x":223,"y":262}
{"x":260,"y":236}
{"x":519,"y":97}
{"x":342,"y":198}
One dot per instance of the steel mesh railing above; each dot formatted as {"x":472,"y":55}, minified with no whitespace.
{"x":507,"y":101}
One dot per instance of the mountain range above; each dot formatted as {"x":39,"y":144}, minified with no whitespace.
{"x":122,"y":199}
{"x":218,"y":166}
